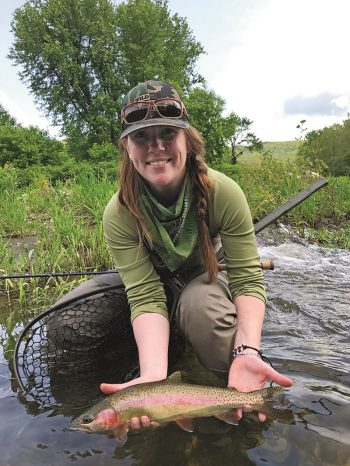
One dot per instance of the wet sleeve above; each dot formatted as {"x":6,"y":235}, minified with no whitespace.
{"x":144,"y":289}
{"x":232,"y":218}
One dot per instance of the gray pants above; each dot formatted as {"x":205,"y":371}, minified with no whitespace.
{"x":205,"y":315}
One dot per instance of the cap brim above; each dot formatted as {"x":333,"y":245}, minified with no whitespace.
{"x":154,"y":122}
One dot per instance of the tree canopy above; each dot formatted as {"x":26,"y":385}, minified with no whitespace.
{"x":23,"y":147}
{"x":6,"y":118}
{"x":237,"y":133}
{"x":331,"y":145}
{"x":205,"y":110}
{"x":78,"y":57}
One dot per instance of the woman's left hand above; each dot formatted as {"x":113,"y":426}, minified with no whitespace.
{"x":248,"y":373}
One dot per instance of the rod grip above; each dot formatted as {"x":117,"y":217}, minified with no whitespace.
{"x":267,"y":264}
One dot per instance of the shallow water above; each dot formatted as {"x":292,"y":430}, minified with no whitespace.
{"x":306,"y":336}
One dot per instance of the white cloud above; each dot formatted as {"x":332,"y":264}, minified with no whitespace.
{"x":285,"y":48}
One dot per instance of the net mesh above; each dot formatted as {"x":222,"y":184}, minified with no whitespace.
{"x":88,"y":339}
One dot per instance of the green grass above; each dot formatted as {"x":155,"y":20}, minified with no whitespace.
{"x":65,"y":220}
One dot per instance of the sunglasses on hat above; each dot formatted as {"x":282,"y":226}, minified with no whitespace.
{"x":165,"y":108}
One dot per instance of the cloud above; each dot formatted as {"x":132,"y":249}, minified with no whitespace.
{"x":323,"y":104}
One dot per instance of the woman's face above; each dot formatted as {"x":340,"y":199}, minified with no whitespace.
{"x":159,"y":155}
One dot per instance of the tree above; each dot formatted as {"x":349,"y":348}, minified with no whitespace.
{"x":222,"y":134}
{"x":68,"y":53}
{"x":154,"y":44}
{"x":237,"y":134}
{"x":23,"y":147}
{"x":6,"y":118}
{"x":331,"y":146}
{"x":80,"y":56}
{"x":205,"y":110}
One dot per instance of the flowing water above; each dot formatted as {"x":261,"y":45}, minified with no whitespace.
{"x":306,"y":336}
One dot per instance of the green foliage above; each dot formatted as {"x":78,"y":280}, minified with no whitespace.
{"x":66,"y":222}
{"x":237,"y":134}
{"x":6,"y":118}
{"x":65,"y":218}
{"x":330,"y":145}
{"x":282,"y":149}
{"x":21,"y":177}
{"x":68,"y":54}
{"x":24,"y":147}
{"x":27,"y":154}
{"x":233,"y":171}
{"x":275,"y":180}
{"x":155,"y":44}
{"x":103,"y":152}
{"x":80,"y":57}
{"x":205,"y":110}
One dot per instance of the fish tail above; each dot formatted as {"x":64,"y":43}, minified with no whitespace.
{"x":278,"y":411}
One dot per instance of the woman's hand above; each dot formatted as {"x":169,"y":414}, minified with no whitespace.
{"x":250,"y":372}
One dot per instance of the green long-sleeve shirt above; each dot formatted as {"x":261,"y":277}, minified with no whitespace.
{"x":229,"y":217}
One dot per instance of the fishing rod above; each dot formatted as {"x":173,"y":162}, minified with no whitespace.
{"x":258,"y":227}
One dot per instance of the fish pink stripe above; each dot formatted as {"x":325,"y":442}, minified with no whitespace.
{"x":164,"y":399}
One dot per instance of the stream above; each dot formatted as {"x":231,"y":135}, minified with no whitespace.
{"x":306,"y":336}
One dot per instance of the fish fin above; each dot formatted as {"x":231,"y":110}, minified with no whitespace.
{"x":269,"y":392}
{"x":227,"y":416}
{"x":175,"y":377}
{"x":121,"y":434}
{"x":284,"y":415}
{"x":186,"y":423}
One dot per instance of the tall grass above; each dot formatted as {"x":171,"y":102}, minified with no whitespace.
{"x":66,"y":220}
{"x":275,"y":181}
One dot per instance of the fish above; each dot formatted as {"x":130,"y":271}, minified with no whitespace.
{"x":169,"y":400}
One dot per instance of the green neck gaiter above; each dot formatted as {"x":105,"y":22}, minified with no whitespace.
{"x":174,"y":229}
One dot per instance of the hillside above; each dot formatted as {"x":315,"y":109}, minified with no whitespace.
{"x":282,"y":148}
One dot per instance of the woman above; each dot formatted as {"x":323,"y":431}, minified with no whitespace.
{"x":170,"y":216}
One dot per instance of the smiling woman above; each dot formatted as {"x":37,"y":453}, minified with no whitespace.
{"x":170,"y":217}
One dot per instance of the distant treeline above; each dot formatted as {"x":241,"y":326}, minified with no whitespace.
{"x":282,"y":148}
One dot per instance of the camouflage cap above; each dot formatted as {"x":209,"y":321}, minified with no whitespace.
{"x":152,"y":90}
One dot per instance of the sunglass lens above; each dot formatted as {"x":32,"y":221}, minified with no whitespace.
{"x":169,"y":108}
{"x":136,"y":112}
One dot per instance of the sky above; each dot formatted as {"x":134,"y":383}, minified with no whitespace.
{"x":276,"y":62}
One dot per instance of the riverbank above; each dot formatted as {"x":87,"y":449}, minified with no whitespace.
{"x":46,"y":228}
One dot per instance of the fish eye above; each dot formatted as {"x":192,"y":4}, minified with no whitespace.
{"x":87,"y":418}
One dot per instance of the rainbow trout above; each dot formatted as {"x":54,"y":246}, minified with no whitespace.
{"x":168,"y":400}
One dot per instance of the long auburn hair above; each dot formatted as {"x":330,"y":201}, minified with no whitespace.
{"x":130,"y":190}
